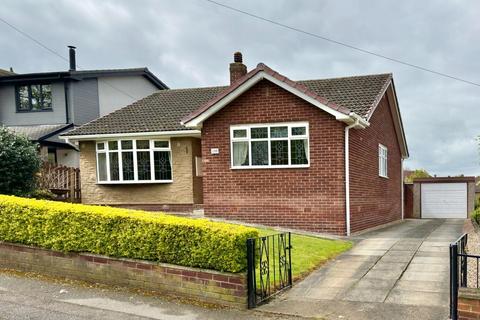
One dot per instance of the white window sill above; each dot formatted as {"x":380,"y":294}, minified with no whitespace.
{"x":384,"y":177}
{"x":271,"y":167}
{"x":134,"y":182}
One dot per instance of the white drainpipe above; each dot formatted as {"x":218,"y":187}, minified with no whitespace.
{"x":402,"y":186}
{"x":347,"y":176}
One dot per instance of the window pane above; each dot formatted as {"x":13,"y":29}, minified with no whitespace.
{"x":240,"y":153}
{"x":259,"y":133}
{"x":259,"y":153}
{"x":143,"y":165}
{"x":299,"y":131}
{"x":299,"y":151}
{"x":279,"y":132}
{"x":36,"y":97}
{"x":24,"y":103}
{"x":127,"y":144}
{"x":163,"y":168}
{"x":114,"y":172}
{"x":100,"y":146}
{"x":161,"y":144}
{"x":241,"y":133}
{"x":143,"y":144}
{"x":127,"y":165}
{"x":279,"y":150}
{"x":102,"y":167}
{"x":47,"y":96}
{"x":112,"y":145}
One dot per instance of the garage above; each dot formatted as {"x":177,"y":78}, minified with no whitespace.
{"x":443,"y":197}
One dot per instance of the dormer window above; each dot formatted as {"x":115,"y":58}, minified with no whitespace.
{"x":34,"y":97}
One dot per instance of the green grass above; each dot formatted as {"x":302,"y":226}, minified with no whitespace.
{"x":310,"y":252}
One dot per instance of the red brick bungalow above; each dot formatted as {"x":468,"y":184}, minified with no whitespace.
{"x":319,"y":155}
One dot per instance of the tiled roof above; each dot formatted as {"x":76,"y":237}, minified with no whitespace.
{"x":164,"y":110}
{"x":161,"y":111}
{"x":37,"y":132}
{"x":5,"y":73}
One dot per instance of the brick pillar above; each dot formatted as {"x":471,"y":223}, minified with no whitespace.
{"x":468,"y":304}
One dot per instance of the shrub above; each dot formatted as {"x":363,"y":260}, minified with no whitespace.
{"x":124,"y":233}
{"x":19,"y":163}
{"x":476,"y":216}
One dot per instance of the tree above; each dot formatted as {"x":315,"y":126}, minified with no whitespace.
{"x":417,"y":173}
{"x":19,"y":162}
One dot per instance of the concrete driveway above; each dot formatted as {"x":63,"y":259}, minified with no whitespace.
{"x":399,"y":272}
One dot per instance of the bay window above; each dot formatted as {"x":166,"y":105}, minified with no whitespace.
{"x":270,"y":145}
{"x":134,"y":161}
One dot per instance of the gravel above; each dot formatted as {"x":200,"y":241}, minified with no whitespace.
{"x":473,"y":247}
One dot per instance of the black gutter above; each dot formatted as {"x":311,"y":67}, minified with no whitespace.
{"x":65,"y":89}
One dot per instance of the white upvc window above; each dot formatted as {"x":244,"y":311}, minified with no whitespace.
{"x":126,"y":161}
{"x":382,"y":161}
{"x":274,"y":145}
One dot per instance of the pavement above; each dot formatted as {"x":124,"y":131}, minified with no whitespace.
{"x":399,"y":272}
{"x":27,"y":296}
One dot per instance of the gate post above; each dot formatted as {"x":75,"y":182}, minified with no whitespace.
{"x":252,"y":303}
{"x":289,"y":259}
{"x":453,"y":281}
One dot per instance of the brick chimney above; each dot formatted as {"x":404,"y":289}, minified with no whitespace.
{"x":237,"y":68}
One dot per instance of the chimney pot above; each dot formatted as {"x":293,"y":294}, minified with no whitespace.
{"x":72,"y":59}
{"x":237,"y":57}
{"x":237,"y":68}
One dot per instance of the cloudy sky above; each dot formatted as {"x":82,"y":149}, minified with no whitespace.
{"x":190,"y":43}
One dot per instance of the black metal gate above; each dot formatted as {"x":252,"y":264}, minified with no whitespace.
{"x":459,"y":271}
{"x":269,"y":269}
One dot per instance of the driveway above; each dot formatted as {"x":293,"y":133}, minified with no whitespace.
{"x":399,"y":272}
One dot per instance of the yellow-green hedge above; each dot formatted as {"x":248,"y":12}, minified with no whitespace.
{"x":124,"y":233}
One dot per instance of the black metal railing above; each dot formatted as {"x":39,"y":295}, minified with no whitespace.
{"x":269,"y":269}
{"x":461,"y":262}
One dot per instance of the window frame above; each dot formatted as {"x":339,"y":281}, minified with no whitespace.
{"x":382,"y":161}
{"x":29,"y":90}
{"x":134,"y":150}
{"x":269,"y":139}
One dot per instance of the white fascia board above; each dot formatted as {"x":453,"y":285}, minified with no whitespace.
{"x":179,"y":133}
{"x":196,"y":122}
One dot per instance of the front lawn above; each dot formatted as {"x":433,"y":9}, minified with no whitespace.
{"x":310,"y":252}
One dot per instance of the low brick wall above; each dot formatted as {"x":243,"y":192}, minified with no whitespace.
{"x":199,"y":284}
{"x":468,"y":304}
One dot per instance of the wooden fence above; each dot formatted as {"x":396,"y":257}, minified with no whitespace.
{"x":61,"y":180}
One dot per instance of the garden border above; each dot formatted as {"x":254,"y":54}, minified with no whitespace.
{"x":209,"y":286}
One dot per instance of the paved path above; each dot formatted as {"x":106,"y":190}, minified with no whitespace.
{"x":23,"y":297}
{"x":400,"y":272}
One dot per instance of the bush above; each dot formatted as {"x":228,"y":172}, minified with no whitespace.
{"x":124,"y":233}
{"x":19,"y":163}
{"x":476,"y":216}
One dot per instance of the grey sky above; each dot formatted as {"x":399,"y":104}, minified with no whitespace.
{"x":190,"y":43}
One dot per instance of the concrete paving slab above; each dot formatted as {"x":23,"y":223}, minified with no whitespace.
{"x":400,"y":253}
{"x":390,"y":266}
{"x":367,"y":294}
{"x":360,"y":252}
{"x":431,"y":260}
{"x":384,"y":274}
{"x":422,"y":267}
{"x":375,"y":283}
{"x":405,"y":246}
{"x":324,"y":293}
{"x":345,"y":273}
{"x":335,"y":282}
{"x":425,"y":286}
{"x":418,"y":298}
{"x":426,"y":276}
{"x":392,"y":258}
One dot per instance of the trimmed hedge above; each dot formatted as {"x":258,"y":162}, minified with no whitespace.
{"x":124,"y":233}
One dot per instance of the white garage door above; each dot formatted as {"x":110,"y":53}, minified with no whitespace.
{"x":444,"y":200}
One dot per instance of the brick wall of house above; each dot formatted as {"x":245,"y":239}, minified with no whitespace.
{"x":308,"y":198}
{"x":468,"y":304}
{"x":374,"y":200}
{"x":199,"y":284}
{"x":180,"y":195}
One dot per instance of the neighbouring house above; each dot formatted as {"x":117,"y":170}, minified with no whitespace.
{"x":477,"y":188}
{"x":45,"y":104}
{"x":320,"y":155}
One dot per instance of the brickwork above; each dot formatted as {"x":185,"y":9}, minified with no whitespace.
{"x":408,"y":200}
{"x":468,"y":304}
{"x":308,"y":198}
{"x":375,"y":200}
{"x":181,"y":192}
{"x":199,"y":284}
